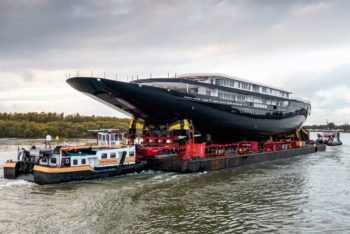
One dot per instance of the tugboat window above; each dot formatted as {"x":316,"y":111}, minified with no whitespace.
{"x":75,"y":162}
{"x":83,"y":161}
{"x":53,"y":160}
{"x":112,"y":155}
{"x":104,"y":156}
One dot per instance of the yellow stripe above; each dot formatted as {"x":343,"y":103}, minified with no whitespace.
{"x":61,"y":169}
{"x":108,"y":161}
{"x":8,"y":164}
{"x":129,"y":160}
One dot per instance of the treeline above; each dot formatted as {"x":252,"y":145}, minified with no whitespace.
{"x":38,"y":125}
{"x":329,"y":126}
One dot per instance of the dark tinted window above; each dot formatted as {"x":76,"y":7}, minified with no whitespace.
{"x":112,"y":155}
{"x":104,"y":156}
{"x":75,"y":162}
{"x":53,"y":160}
{"x":83,"y":161}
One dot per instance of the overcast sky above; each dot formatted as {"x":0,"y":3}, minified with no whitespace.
{"x":302,"y":46}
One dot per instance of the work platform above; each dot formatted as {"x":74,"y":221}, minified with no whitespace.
{"x":177,"y":164}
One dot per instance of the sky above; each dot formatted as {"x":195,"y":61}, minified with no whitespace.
{"x":301,"y":46}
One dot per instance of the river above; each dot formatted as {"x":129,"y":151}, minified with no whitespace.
{"x":305,"y":194}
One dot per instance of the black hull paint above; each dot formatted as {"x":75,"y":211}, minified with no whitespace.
{"x":222,"y":121}
{"x":41,"y":177}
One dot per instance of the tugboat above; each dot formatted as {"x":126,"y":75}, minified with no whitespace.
{"x":109,"y":157}
{"x":331,"y":139}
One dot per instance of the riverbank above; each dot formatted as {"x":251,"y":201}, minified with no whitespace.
{"x":38,"y":125}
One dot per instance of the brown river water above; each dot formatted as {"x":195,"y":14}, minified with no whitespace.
{"x":305,"y":194}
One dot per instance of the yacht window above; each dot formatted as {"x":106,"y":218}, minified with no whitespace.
{"x":104,"y":155}
{"x":112,"y":137}
{"x":83,"y":161}
{"x":75,"y":162}
{"x":240,"y":98}
{"x":263,"y":90}
{"x":112,"y":155}
{"x":44,"y":160}
{"x":53,"y":160}
{"x":208,"y":92}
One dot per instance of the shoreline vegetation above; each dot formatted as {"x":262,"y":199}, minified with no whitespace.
{"x":330,"y":127}
{"x":38,"y":125}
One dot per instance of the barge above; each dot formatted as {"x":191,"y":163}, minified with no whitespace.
{"x":198,"y":164}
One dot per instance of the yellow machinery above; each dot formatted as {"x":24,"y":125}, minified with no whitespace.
{"x":184,"y":124}
{"x":139,"y":124}
{"x":136,"y":123}
{"x":299,"y":134}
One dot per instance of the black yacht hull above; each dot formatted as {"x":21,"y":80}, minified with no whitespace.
{"x":222,"y":121}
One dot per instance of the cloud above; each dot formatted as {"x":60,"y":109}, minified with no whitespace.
{"x":297,"y":45}
{"x":328,"y":91}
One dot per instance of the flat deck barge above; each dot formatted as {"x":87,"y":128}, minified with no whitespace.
{"x":178,"y":164}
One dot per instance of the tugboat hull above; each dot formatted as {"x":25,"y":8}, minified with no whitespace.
{"x":49,"y":175}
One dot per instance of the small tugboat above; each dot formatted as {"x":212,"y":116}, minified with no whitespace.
{"x":109,"y":157}
{"x":331,"y":139}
